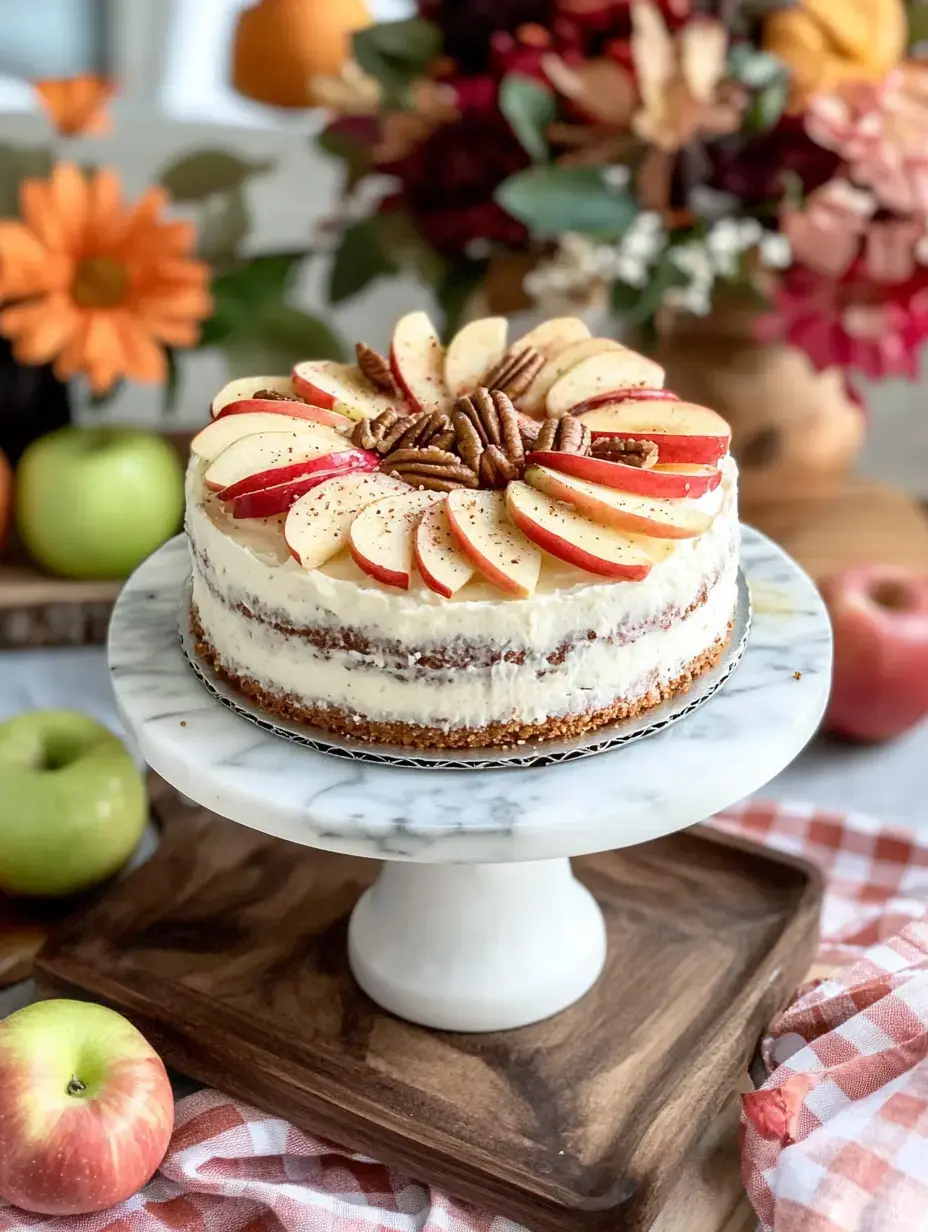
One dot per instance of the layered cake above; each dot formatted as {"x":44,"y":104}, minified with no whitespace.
{"x":467,"y":546}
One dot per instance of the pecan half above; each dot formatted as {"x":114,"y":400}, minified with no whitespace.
{"x":515,"y":371}
{"x":370,"y":433}
{"x":496,"y":470}
{"x":623,"y":449}
{"x":375,"y":368}
{"x":435,"y":469}
{"x":416,"y":429}
{"x":272,"y":395}
{"x":566,"y":435}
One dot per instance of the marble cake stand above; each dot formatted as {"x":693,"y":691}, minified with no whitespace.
{"x":476,"y":922}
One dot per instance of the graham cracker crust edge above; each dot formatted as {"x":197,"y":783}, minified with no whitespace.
{"x":410,"y":735}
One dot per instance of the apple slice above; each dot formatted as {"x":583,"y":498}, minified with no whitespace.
{"x":632,"y":395}
{"x":533,"y":400}
{"x":417,"y":360}
{"x":345,"y":460}
{"x":319,"y":523}
{"x":381,"y":536}
{"x":264,"y":451}
{"x":665,"y":482}
{"x":566,"y":534}
{"x":244,"y":387}
{"x":289,"y":410}
{"x":554,"y":335}
{"x":340,"y":388}
{"x":601,"y":374}
{"x":441,"y":564}
{"x":486,"y":535}
{"x":682,"y":431}
{"x":473,"y":352}
{"x":637,"y":515}
{"x":221,"y":432}
{"x":269,"y":502}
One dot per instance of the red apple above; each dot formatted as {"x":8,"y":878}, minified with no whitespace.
{"x":880,"y":619}
{"x":381,"y":537}
{"x":263,"y":451}
{"x":417,"y":359}
{"x":682,"y":431}
{"x":663,"y":482}
{"x":343,"y":460}
{"x":340,"y":388}
{"x":593,"y":378}
{"x":636,"y":515}
{"x":441,"y":564}
{"x":290,"y":410}
{"x":269,"y":502}
{"x":86,"y":1110}
{"x":245,"y":387}
{"x":628,"y":395}
{"x":487,"y":536}
{"x":559,"y":529}
{"x":318,"y":524}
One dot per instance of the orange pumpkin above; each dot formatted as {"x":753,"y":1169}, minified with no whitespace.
{"x":280,"y":45}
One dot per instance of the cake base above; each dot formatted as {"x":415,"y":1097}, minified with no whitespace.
{"x":409,"y":735}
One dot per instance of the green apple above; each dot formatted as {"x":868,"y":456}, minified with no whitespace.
{"x":94,"y":502}
{"x":72,"y":803}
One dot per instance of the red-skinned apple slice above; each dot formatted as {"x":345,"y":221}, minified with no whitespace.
{"x":269,"y":502}
{"x":533,"y":400}
{"x":554,"y":335}
{"x":245,"y":387}
{"x":319,"y":523}
{"x":381,"y":536}
{"x":473,"y":352}
{"x":417,"y":360}
{"x":223,"y":431}
{"x":636,"y":515}
{"x":682,"y":431}
{"x":339,"y":387}
{"x":346,"y":460}
{"x":568,"y":535}
{"x":487,"y":536}
{"x":629,"y":395}
{"x":288,"y":410}
{"x":264,"y":451}
{"x":601,"y":374}
{"x":663,"y":482}
{"x":442,"y":565}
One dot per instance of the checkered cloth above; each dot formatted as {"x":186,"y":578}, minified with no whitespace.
{"x":837,"y":1139}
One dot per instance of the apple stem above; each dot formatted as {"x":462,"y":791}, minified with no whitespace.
{"x":75,"y":1086}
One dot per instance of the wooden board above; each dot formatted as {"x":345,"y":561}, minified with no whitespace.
{"x":228,"y":950}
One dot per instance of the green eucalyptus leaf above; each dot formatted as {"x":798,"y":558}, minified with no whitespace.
{"x":454,"y":291}
{"x":359,"y":261}
{"x":767,"y":106}
{"x":918,"y":23}
{"x":406,"y":249}
{"x":753,"y":68}
{"x":240,"y":294}
{"x":195,"y":176}
{"x":396,"y":52}
{"x":356,"y":154}
{"x":554,"y":199}
{"x":18,"y":163}
{"x":279,"y":337}
{"x":223,"y":226}
{"x":529,"y":107}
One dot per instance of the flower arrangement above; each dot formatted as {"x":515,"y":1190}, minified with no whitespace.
{"x":650,"y":155}
{"x":105,"y":291}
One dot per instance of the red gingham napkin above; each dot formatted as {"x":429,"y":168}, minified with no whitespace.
{"x":232,"y":1168}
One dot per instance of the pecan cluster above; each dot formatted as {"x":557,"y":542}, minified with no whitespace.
{"x":566,"y":435}
{"x":488,"y":438}
{"x":515,"y":371}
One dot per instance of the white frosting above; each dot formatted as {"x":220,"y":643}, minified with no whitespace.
{"x":246,"y":564}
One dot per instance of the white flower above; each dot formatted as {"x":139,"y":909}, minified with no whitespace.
{"x":616,"y":177}
{"x":694,"y":298}
{"x":693,"y":259}
{"x":632,"y":271}
{"x":728,"y":240}
{"x":775,"y":251}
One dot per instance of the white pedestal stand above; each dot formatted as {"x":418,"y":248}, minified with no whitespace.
{"x":476,"y":922}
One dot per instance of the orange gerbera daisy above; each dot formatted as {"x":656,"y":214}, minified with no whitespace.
{"x":77,"y":104}
{"x":97,"y":287}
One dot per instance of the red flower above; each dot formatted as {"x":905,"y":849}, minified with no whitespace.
{"x":757,"y":170}
{"x":449,"y":180}
{"x":468,"y":26}
{"x":852,"y":322}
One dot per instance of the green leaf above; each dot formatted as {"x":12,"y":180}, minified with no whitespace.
{"x":172,"y":384}
{"x":455,"y":290}
{"x":753,"y":68}
{"x":277,"y":339}
{"x":529,"y":107}
{"x":554,"y":199}
{"x":356,"y":154}
{"x":241,"y":294}
{"x":396,"y":52}
{"x":359,"y":261}
{"x":223,"y":226}
{"x":767,"y":106}
{"x":636,"y":306}
{"x":195,"y":176}
{"x":918,"y":23}
{"x":19,"y":163}
{"x":405,"y":247}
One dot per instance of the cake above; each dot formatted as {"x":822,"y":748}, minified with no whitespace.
{"x":468,"y":546}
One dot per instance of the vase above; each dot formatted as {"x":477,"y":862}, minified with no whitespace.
{"x":795,"y":432}
{"x":32,"y":402}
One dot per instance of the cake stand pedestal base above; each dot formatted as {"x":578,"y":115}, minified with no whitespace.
{"x":477,"y":947}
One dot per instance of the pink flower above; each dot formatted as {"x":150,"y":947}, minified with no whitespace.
{"x":825,"y":233}
{"x":881,"y":132}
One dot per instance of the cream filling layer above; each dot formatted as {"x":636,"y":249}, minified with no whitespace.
{"x":246,"y":563}
{"x":593,"y":675}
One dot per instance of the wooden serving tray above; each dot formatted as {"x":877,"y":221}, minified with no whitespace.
{"x":228,"y":949}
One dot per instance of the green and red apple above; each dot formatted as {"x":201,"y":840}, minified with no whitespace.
{"x":86,"y":1108}
{"x":73,"y":804}
{"x":95,"y":502}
